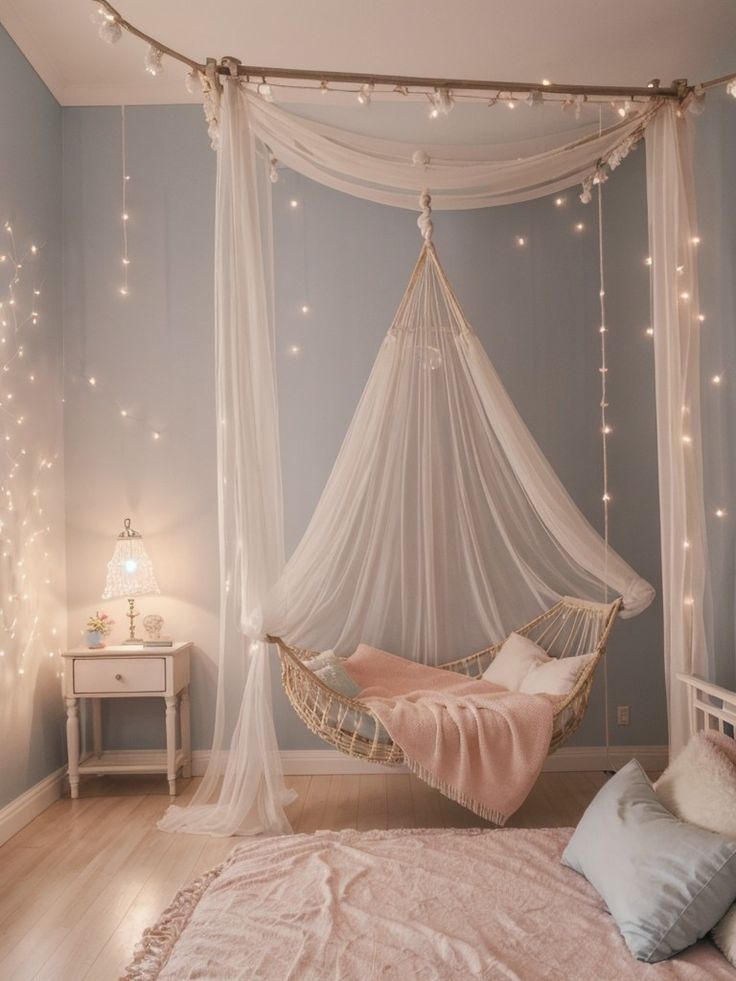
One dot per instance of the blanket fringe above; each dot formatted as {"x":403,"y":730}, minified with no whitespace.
{"x":155,"y":946}
{"x":487,"y":813}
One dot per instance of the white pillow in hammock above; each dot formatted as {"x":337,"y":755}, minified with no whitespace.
{"x":516,"y":658}
{"x":522,"y":665}
{"x":557,"y":676}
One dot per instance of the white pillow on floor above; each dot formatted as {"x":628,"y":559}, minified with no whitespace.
{"x":699,"y":786}
{"x":516,"y":658}
{"x":558,"y":676}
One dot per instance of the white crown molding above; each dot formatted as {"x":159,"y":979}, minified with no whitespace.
{"x":37,"y":53}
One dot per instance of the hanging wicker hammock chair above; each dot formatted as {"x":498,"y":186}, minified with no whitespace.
{"x":569,"y":628}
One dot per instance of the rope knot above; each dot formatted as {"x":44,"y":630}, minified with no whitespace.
{"x":424,"y":221}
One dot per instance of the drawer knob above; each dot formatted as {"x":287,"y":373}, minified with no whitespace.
{"x":118,"y":677}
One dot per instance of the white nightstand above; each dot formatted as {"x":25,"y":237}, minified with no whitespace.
{"x":128,"y":672}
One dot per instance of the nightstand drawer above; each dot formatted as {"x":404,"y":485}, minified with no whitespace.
{"x":119,"y":674}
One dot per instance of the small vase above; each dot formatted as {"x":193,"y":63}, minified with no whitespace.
{"x":95,"y":640}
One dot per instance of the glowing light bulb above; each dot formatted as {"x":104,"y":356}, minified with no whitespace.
{"x":700,"y":318}
{"x":579,"y":226}
{"x":124,"y":413}
{"x":648,"y":261}
{"x":559,"y":202}
{"x":606,"y":430}
{"x":92,"y":381}
{"x":689,"y":601}
{"x":520,"y":240}
{"x":294,"y":349}
{"x":716,"y":379}
{"x":695,"y":240}
{"x":305,"y":308}
{"x":687,"y":439}
{"x":130,"y":566}
{"x":650,"y":331}
{"x":294,"y":203}
{"x":155,"y":434}
{"x":125,"y":216}
{"x":685,"y":295}
{"x":720,"y":512}
{"x":546,"y":81}
{"x":606,"y":498}
{"x":686,"y":544}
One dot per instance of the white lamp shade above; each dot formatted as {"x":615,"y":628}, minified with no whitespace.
{"x":129,"y":571}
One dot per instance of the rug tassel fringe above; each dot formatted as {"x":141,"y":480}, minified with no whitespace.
{"x":156,"y":944}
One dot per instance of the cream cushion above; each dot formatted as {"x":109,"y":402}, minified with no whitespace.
{"x":516,"y":658}
{"x":522,"y":665}
{"x":558,"y":676}
{"x":699,"y":786}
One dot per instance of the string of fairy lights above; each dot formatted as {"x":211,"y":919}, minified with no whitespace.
{"x":25,"y":558}
{"x":126,"y":412}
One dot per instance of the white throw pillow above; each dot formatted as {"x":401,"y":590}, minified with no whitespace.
{"x":558,"y":676}
{"x":517,"y":656}
{"x":699,"y":787}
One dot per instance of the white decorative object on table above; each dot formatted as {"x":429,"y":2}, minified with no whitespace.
{"x":127,"y":672}
{"x":153,"y":624}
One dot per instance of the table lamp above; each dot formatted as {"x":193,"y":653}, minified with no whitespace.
{"x":130,"y":574}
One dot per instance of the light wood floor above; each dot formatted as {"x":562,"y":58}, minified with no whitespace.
{"x":80,"y":883}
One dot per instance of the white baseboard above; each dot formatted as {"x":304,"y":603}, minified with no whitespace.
{"x":303,"y":762}
{"x":567,"y":759}
{"x":21,"y":811}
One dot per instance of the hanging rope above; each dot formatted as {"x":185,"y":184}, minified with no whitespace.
{"x":424,"y":221}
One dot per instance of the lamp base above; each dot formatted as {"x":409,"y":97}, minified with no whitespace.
{"x":135,"y":641}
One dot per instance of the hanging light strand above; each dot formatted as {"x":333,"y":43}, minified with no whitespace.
{"x":605,"y":428}
{"x":124,"y":216}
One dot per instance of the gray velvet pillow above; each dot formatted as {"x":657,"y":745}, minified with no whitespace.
{"x":665,"y":882}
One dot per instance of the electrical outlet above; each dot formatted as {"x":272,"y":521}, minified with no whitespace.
{"x":622,"y":715}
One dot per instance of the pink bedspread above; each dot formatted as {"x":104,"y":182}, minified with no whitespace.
{"x":477,"y":743}
{"x":401,"y":905}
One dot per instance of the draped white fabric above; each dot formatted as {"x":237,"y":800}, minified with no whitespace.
{"x":672,"y":235}
{"x":442,"y":526}
{"x":243,"y":790}
{"x":459,"y":177}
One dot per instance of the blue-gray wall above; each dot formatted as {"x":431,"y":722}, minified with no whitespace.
{"x":151,"y":354}
{"x":536,"y":309}
{"x":32,"y":622}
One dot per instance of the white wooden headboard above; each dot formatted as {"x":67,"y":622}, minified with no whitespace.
{"x":710,"y":706}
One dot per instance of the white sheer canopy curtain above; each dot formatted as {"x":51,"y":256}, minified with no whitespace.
{"x":243,"y":790}
{"x":673,"y":235}
{"x":431,"y":387}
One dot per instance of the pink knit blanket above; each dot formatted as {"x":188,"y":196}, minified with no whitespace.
{"x":478,"y":744}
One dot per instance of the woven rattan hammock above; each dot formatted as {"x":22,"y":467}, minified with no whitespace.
{"x":569,"y":628}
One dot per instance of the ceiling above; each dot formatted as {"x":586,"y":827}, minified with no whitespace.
{"x":627,"y":42}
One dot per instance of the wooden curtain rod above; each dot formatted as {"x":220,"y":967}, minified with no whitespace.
{"x":679,"y":88}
